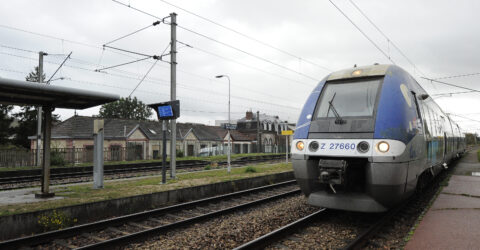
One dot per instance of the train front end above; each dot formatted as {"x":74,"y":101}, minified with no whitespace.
{"x":349,"y":148}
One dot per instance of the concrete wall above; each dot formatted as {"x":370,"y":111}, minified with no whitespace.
{"x":27,"y":223}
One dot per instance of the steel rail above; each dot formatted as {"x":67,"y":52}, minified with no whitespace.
{"x":267,"y":239}
{"x":139,"y":168}
{"x":98,"y":225}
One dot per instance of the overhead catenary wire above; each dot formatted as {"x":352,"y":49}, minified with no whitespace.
{"x":450,"y":84}
{"x":244,"y":35}
{"x":225,"y":44}
{"x":153,"y":65}
{"x":363,"y":33}
{"x":249,"y":66}
{"x":386,"y":37}
{"x":180,"y":84}
{"x":134,"y":32}
{"x":152,"y":80}
{"x":456,"y":76}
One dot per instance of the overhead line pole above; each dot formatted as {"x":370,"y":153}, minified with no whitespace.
{"x":39,"y":109}
{"x":173,"y":91}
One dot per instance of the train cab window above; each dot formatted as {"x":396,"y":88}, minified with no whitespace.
{"x":349,"y":98}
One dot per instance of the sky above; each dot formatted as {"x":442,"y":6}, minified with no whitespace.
{"x":274,"y":52}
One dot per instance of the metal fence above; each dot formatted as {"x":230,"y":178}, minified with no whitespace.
{"x":69,"y":156}
{"x":72,"y":156}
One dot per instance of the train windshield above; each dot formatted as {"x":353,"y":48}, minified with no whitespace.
{"x":349,"y":98}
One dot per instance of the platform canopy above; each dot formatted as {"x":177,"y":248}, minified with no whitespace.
{"x":38,"y":94}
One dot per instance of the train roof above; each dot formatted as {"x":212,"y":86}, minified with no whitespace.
{"x":363,"y":71}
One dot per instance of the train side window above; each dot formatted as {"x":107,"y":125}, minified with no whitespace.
{"x":419,"y":114}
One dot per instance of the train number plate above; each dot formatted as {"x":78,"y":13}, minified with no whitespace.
{"x":337,"y":146}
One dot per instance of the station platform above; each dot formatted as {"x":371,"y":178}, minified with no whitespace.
{"x":453,"y":220}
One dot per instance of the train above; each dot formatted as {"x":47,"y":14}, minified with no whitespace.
{"x":368,"y":137}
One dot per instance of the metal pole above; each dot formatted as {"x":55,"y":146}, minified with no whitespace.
{"x":98,"y":136}
{"x":173,"y":91}
{"x":229,"y":140}
{"x":259,"y":140}
{"x":45,"y":193}
{"x":164,"y":152}
{"x":39,"y":109}
{"x":286,"y":148}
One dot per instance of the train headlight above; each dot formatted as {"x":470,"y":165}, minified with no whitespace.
{"x":313,"y":146}
{"x":300,"y":145}
{"x":383,"y":146}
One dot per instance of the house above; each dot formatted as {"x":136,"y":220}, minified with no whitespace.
{"x":132,"y":139}
{"x":267,"y":128}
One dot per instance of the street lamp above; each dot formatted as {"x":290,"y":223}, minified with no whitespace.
{"x":228,"y":128}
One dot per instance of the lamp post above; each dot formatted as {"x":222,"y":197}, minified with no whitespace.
{"x":228,"y":128}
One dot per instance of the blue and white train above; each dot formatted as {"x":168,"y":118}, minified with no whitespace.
{"x":368,"y":137}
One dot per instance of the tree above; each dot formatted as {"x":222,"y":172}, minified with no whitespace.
{"x":5,"y":121}
{"x":27,"y":117}
{"x":126,"y":108}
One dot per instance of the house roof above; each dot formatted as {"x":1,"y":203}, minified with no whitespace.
{"x":81,"y":127}
{"x":242,"y":136}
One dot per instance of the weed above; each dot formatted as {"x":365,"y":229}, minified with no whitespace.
{"x":208,"y":167}
{"x":55,"y":221}
{"x":250,"y":169}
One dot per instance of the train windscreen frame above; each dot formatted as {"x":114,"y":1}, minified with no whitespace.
{"x":349,"y":98}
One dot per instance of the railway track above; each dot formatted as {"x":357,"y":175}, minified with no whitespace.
{"x":135,"y":227}
{"x":26,"y":177}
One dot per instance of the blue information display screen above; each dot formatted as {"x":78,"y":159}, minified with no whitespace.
{"x":165,"y":111}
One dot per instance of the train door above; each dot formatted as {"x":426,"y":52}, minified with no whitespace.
{"x":445,"y":147}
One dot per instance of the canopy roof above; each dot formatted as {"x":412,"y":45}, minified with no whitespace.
{"x":31,"y":93}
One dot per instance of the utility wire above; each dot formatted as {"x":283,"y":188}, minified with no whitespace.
{"x":454,"y":93}
{"x":153,"y":65}
{"x":461,"y":116}
{"x":246,"y":36}
{"x":386,"y":37}
{"x":363,"y":33}
{"x":224,"y":44}
{"x":135,"y":32}
{"x":59,"y":67}
{"x":453,"y":85}
{"x":122,"y":64}
{"x":182,"y":85}
{"x":455,"y":76}
{"x":246,"y":52}
{"x":251,"y":67}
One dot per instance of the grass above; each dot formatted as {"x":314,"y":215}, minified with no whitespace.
{"x":84,"y":193}
{"x":215,"y":158}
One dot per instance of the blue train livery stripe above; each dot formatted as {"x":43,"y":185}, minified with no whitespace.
{"x":303,"y":124}
{"x":396,"y":113}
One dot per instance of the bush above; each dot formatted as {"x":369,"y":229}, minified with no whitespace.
{"x":478,"y":155}
{"x":56,"y":159}
{"x":250,"y":170}
{"x":208,"y":167}
{"x":179,"y":153}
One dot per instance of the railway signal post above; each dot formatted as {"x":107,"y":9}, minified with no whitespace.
{"x":166,"y":111}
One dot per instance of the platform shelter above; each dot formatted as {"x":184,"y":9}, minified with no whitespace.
{"x":15,"y":92}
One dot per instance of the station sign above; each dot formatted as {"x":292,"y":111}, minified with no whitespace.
{"x":167,"y":110}
{"x":231,"y":126}
{"x":287,"y":132}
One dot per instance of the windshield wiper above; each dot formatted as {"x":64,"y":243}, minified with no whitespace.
{"x":338,"y":119}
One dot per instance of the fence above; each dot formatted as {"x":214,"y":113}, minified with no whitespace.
{"x":71,"y":156}
{"x":66,"y":156}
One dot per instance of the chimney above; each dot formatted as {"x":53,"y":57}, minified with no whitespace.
{"x":249,"y":115}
